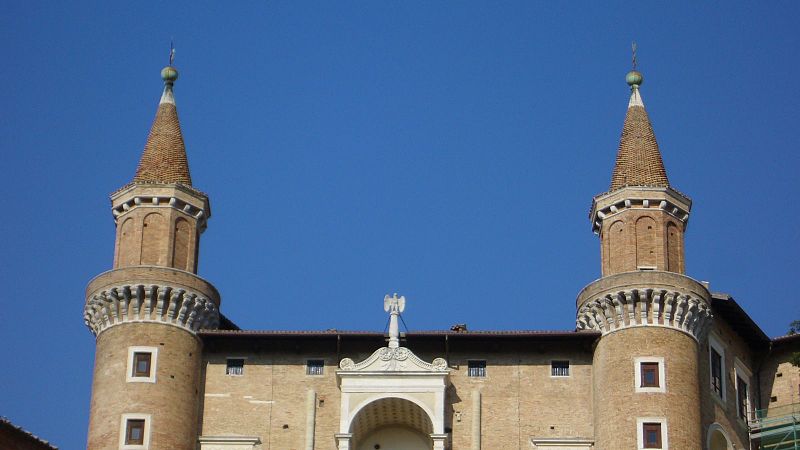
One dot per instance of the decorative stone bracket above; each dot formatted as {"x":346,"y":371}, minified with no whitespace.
{"x":149,"y":303}
{"x":645,"y":307}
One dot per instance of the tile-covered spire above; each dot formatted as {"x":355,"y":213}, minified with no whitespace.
{"x":638,"y":158}
{"x":164,"y":157}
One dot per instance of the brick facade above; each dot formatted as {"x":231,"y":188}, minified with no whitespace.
{"x":643,"y":310}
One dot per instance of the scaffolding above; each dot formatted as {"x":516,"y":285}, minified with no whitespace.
{"x":776,"y":428}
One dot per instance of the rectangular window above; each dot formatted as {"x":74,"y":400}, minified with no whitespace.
{"x":716,"y":371}
{"x":559,"y":368}
{"x":315,"y":367}
{"x":476,"y":368}
{"x":134,"y":432}
{"x":141,"y":364}
{"x":741,"y":394}
{"x":651,"y":433}
{"x":649,"y":374}
{"x":235,"y":366}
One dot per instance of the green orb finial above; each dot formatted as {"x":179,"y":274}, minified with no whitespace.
{"x":634,"y":78}
{"x":169,"y":74}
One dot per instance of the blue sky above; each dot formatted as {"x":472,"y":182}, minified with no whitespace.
{"x":445,"y":151}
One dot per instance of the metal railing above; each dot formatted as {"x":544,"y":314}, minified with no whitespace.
{"x":776,"y":428}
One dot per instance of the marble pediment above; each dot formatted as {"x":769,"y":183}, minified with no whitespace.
{"x":397,"y":359}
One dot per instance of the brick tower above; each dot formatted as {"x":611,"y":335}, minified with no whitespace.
{"x":650,"y":314}
{"x":145,"y":313}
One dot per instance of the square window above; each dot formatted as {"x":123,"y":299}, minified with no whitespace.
{"x":559,"y":368}
{"x":141,"y":364}
{"x":651,"y":433}
{"x":235,"y":366}
{"x":134,"y":432}
{"x":476,"y":368}
{"x":315,"y":367}
{"x":649,"y":374}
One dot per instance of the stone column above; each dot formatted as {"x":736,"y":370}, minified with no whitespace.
{"x":311,"y":418}
{"x":476,"y":420}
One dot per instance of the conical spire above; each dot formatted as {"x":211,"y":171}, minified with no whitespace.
{"x":638,"y":158}
{"x":164,"y":157}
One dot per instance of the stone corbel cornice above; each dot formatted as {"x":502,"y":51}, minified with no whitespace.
{"x":158,"y":303}
{"x":175,"y":203}
{"x":645,"y":307}
{"x":605,"y":206}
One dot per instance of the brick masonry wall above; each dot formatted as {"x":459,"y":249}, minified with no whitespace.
{"x":714,"y":410}
{"x":172,"y":401}
{"x":519,"y":398}
{"x":617,"y":405}
{"x":780,"y":379}
{"x":627,"y":242}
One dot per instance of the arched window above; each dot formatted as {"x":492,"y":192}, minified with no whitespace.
{"x":616,"y":247}
{"x":126,"y":254}
{"x":154,"y":239}
{"x":646,"y":243}
{"x":674,"y":248}
{"x":182,"y":244}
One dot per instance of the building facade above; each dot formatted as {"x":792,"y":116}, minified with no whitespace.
{"x":655,"y":359}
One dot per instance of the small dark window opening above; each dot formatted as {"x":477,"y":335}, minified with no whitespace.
{"x":315,"y":367}
{"x":134,"y":432}
{"x":649,"y":374}
{"x":716,"y":372}
{"x":476,"y":368}
{"x":559,"y":369}
{"x":651,"y":433}
{"x":235,"y":366}
{"x":141,"y":364}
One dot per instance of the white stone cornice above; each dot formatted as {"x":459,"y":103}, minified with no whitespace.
{"x":159,"y":303}
{"x":667,"y":200}
{"x":645,"y":307}
{"x":177,"y":204}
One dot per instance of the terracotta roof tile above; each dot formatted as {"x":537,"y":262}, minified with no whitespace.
{"x":164,"y":157}
{"x":638,"y":158}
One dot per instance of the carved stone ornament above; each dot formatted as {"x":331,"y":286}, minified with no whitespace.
{"x":149,"y":303}
{"x":646,"y":307}
{"x":387,"y":359}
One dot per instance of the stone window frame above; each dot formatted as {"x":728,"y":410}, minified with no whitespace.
{"x":322,"y":373}
{"x":637,"y":374}
{"x":716,"y":343}
{"x":569,"y":368}
{"x":244,"y":362}
{"x":123,"y":431}
{"x":485,"y":369}
{"x":640,"y":421}
{"x":740,"y":370}
{"x":129,"y":374}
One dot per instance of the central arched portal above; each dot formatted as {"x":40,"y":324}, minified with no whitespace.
{"x":392,"y":423}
